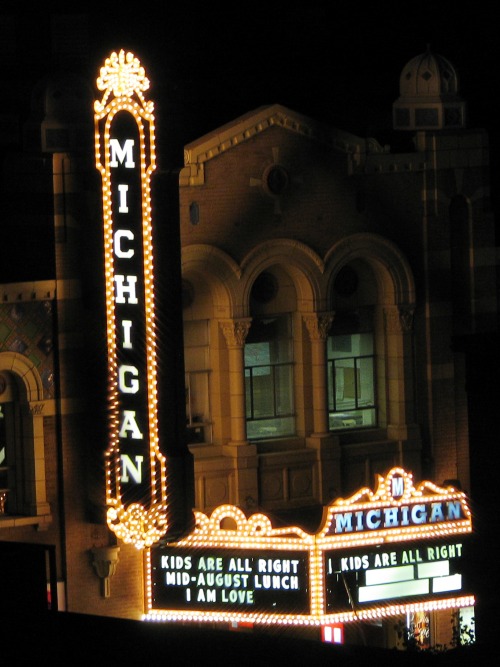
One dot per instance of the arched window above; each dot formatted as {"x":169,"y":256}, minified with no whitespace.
{"x":10,"y":444}
{"x":269,"y":359}
{"x":22,"y":450}
{"x":351,"y":370}
{"x":351,"y":351}
{"x":269,"y":378}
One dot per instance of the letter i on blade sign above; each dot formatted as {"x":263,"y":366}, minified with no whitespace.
{"x":125,"y":156}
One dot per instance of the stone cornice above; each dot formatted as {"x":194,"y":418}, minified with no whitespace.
{"x":42,"y":290}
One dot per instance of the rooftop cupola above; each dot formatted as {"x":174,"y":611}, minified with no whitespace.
{"x":429,"y":95}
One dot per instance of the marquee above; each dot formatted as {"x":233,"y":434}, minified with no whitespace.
{"x":400,"y":548}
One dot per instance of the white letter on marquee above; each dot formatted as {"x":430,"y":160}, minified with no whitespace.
{"x":121,"y":289}
{"x":134,"y":470}
{"x":133,"y":386}
{"x":397,"y":487}
{"x":129,"y":424}
{"x":343,"y":522}
{"x":118,"y":152}
{"x":117,"y":246}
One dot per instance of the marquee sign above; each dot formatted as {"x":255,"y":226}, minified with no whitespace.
{"x":401,"y":548}
{"x":125,"y":157}
{"x":231,"y":567}
{"x":396,"y":511}
{"x":243,"y":579}
{"x":386,"y":574}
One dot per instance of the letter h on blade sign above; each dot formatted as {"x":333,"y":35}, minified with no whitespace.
{"x":125,"y":157}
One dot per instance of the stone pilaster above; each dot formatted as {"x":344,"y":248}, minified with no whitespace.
{"x":242,"y":453}
{"x":322,"y":441}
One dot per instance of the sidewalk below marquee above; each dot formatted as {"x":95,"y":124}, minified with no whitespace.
{"x":111,"y":641}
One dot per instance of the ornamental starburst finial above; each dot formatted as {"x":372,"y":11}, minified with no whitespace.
{"x":123,"y":75}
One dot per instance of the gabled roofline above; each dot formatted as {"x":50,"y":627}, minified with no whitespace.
{"x":254,"y":122}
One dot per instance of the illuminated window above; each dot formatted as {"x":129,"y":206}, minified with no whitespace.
{"x":11,"y":468}
{"x":196,"y":359}
{"x":466,"y":627}
{"x":22,"y":458}
{"x":269,"y":378}
{"x":10,"y":439}
{"x":419,"y":629}
{"x":351,"y":371}
{"x":5,"y":482}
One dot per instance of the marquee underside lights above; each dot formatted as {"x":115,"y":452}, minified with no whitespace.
{"x":400,"y":549}
{"x":136,"y":493}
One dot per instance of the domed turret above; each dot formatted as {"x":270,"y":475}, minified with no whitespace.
{"x":429,"y":97}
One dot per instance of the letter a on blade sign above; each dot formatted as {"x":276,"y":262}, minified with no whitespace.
{"x":125,"y":156}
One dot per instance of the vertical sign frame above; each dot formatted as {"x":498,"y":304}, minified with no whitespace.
{"x":136,"y":486}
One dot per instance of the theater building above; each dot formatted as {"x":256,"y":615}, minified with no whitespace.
{"x":324,"y":279}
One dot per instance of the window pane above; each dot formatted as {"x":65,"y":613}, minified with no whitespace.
{"x":257,"y":354}
{"x":283,"y":383}
{"x":269,"y":378}
{"x":263,"y":392}
{"x":366,"y":393}
{"x":351,"y":381}
{"x":271,"y":428}
{"x":345,"y":384}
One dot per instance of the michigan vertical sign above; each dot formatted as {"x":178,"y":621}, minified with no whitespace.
{"x":136,"y":493}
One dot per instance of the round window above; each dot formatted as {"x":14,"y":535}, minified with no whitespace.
{"x":264,"y":288}
{"x":346,"y":282}
{"x":276,"y":179}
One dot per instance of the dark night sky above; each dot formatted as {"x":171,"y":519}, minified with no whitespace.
{"x":336,"y":61}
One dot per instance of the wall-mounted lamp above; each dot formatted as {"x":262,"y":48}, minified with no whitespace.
{"x":105,"y":560}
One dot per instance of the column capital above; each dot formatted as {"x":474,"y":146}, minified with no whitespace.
{"x":399,"y":318}
{"x":235,"y":331}
{"x":318,"y":325}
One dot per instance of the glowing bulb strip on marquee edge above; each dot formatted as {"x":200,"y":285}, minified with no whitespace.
{"x":136,"y":489}
{"x":395,"y":496}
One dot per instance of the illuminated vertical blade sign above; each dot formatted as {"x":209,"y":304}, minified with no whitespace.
{"x":125,"y":156}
